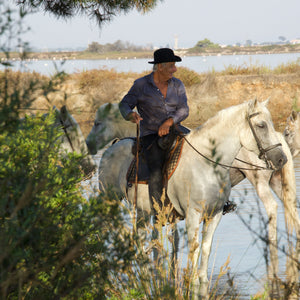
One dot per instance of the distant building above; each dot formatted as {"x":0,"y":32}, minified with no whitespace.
{"x":294,"y":42}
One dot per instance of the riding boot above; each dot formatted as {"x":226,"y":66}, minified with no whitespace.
{"x":155,"y":186}
{"x":155,"y":157}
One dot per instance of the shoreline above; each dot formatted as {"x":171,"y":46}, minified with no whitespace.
{"x":83,"y":55}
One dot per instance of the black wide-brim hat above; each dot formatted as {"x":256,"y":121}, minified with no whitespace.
{"x":163,"y":55}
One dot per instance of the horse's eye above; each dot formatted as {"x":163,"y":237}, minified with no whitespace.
{"x":261,"y":125}
{"x":97,"y":123}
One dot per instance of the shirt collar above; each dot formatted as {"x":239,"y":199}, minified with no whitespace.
{"x":151,"y":79}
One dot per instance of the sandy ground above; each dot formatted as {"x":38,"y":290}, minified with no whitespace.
{"x":205,"y":99}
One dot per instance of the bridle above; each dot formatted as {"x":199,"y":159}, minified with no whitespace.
{"x":65,"y":127}
{"x":262,"y":151}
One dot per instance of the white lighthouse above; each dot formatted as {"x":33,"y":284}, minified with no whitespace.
{"x":175,"y":42}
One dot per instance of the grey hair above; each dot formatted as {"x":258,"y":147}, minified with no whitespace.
{"x":155,"y":66}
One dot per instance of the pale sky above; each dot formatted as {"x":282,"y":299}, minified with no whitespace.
{"x":221,"y":21}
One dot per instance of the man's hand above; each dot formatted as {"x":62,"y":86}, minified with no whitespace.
{"x":134,"y":117}
{"x":165,"y":127}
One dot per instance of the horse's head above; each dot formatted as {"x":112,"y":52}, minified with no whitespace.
{"x":103,"y":128}
{"x":292,"y":132}
{"x":265,"y":140}
{"x":73,"y":140}
{"x":109,"y":124}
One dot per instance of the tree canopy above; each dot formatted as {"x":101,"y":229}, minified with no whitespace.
{"x":100,"y":10}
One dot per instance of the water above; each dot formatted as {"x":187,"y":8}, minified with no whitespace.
{"x":199,"y":64}
{"x":234,"y":240}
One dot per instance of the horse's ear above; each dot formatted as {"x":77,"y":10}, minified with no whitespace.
{"x":251,"y":104}
{"x":107,"y":108}
{"x":294,"y":115}
{"x":64,"y":113}
{"x":103,"y":111}
{"x":266,"y":102}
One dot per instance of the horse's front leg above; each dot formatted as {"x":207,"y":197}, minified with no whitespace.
{"x":192,"y":225}
{"x":208,"y":231}
{"x":270,"y":204}
{"x":209,"y":228}
{"x":175,"y":249}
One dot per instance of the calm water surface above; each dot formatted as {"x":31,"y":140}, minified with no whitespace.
{"x":197,"y":63}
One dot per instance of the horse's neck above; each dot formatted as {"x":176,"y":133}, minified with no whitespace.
{"x":124,"y":129}
{"x":219,"y":137}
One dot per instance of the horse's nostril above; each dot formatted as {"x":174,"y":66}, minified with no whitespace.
{"x":282,"y":161}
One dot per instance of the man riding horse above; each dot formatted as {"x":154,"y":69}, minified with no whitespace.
{"x":161,"y":103}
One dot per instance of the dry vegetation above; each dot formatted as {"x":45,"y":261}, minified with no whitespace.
{"x":207,"y":92}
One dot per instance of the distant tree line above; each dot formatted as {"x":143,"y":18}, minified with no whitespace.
{"x":116,"y":46}
{"x":201,"y":46}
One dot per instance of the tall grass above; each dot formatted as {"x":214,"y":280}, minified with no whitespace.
{"x":256,"y":69}
{"x":156,"y":274}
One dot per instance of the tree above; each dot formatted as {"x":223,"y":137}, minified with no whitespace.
{"x":101,"y":10}
{"x":282,"y":38}
{"x":94,"y":47}
{"x":204,"y":43}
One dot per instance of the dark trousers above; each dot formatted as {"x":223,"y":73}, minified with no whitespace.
{"x":155,"y":157}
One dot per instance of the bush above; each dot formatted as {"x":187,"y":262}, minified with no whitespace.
{"x":187,"y":76}
{"x":54,"y":242}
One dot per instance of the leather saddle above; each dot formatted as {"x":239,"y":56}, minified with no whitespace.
{"x":170,"y":164}
{"x":143,"y":171}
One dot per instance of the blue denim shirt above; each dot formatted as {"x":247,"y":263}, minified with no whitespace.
{"x":151,"y":104}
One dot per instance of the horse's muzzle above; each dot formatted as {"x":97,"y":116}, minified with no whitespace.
{"x":276,"y":158}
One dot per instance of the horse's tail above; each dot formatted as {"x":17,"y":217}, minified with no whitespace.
{"x":289,"y":191}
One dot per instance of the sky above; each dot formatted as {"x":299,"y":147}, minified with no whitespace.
{"x":221,"y":21}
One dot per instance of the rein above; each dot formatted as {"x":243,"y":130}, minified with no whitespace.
{"x":223,"y":165}
{"x":262,"y":152}
{"x":136,"y":177}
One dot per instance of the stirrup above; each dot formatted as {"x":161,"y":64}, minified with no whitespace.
{"x":229,"y":206}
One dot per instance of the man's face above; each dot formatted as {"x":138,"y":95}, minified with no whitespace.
{"x":167,"y":70}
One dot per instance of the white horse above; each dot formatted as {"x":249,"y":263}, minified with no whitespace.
{"x":199,"y":188}
{"x":283,"y":183}
{"x":109,"y":124}
{"x":291,"y":132}
{"x":72,"y":140}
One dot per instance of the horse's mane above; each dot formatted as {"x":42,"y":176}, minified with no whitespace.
{"x":223,"y":116}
